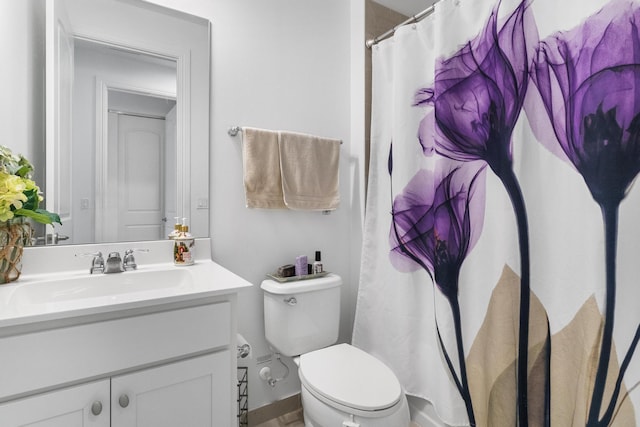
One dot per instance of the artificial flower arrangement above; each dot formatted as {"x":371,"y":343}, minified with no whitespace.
{"x":19,"y":194}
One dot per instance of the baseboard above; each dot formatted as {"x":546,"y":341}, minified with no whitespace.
{"x":274,"y":410}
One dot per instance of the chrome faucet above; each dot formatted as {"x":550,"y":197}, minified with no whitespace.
{"x":129,"y":261}
{"x":97,"y":264}
{"x":114,"y":263}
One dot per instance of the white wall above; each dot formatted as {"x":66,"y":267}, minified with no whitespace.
{"x":22,"y":44}
{"x":22,"y":77}
{"x":22,"y":80}
{"x":282,"y":64}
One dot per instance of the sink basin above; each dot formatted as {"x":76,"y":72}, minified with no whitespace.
{"x":101,"y":288}
{"x":55,"y":287}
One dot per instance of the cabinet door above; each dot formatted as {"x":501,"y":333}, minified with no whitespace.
{"x":86,"y":405}
{"x":191,"y":393}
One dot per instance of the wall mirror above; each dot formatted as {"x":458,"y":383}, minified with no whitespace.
{"x":127,"y":120}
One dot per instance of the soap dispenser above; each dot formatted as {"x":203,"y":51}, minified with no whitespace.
{"x":183,"y":246}
{"x":177,"y":228}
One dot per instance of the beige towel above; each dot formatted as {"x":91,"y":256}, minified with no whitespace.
{"x":309,"y":168}
{"x":261,"y":163}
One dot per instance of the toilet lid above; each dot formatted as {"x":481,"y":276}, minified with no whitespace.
{"x":349,"y":376}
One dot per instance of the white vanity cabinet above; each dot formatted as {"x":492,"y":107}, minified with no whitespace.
{"x":187,"y":393}
{"x":69,"y":407}
{"x":166,"y":365}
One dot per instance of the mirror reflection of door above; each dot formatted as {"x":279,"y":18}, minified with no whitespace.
{"x":122,"y":92}
{"x":91,"y":49}
{"x":139,"y":145}
{"x":140,"y":172}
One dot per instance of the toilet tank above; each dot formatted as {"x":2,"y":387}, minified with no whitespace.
{"x":302,"y":316}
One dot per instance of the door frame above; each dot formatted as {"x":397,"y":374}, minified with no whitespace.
{"x":58,"y":126}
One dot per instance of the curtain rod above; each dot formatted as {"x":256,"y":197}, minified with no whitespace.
{"x":415,"y":18}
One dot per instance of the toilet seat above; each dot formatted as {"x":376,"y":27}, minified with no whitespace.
{"x":345,"y":376}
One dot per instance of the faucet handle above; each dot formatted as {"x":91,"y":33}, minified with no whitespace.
{"x":129,"y":261}
{"x":130,"y":251}
{"x":97,"y":264}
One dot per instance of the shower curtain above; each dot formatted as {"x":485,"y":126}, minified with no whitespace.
{"x":499,"y":274}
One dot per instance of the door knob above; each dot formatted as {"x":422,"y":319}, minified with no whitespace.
{"x":49,"y":239}
{"x":123,"y":400}
{"x":96,"y":408}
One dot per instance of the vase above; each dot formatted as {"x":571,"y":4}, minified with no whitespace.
{"x":15,"y":234}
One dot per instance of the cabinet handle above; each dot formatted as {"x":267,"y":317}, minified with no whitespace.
{"x":96,"y":408}
{"x":123,"y":400}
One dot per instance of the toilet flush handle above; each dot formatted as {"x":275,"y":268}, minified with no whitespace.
{"x":291,"y":300}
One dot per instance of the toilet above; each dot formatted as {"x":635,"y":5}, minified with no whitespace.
{"x":341,"y":384}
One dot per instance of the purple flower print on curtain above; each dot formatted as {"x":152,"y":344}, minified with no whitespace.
{"x":589,"y":82}
{"x":477,"y":97}
{"x":436,"y":221}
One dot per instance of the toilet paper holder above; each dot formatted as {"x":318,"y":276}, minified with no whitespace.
{"x":243,"y":351}
{"x":243,"y":347}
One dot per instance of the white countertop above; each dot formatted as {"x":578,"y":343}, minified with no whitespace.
{"x":55,"y":284}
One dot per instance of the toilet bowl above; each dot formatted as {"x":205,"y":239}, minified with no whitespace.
{"x":345,"y":386}
{"x":341,"y":385}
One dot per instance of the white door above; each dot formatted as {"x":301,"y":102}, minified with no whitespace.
{"x":141,"y":178}
{"x":86,"y":405}
{"x":191,"y":393}
{"x":59,"y":75}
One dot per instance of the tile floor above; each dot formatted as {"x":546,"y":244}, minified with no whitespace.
{"x":283,"y":413}
{"x":292,"y":419}
{"x":295,"y":419}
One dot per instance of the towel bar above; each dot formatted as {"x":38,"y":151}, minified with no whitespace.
{"x":235,"y":130}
